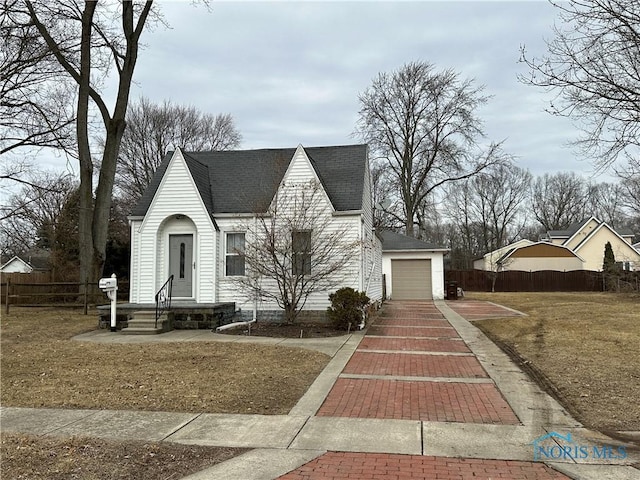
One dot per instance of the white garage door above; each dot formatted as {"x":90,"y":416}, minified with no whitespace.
{"x":411,"y":280}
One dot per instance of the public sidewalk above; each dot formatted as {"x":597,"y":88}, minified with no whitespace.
{"x":423,"y":394}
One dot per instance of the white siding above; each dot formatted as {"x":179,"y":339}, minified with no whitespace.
{"x":490,"y":261}
{"x":176,"y":195}
{"x":301,"y":171}
{"x":297,"y":178}
{"x":16,"y":265}
{"x":228,"y":290}
{"x":134,"y":270}
{"x":371,"y":270}
{"x":437,"y":269}
{"x":374,"y":290}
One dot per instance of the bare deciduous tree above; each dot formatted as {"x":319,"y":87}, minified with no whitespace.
{"x":153,"y":129}
{"x":592,"y":64}
{"x":559,"y":200}
{"x":465,"y":230}
{"x":386,"y":203}
{"x":607,"y":202}
{"x":35,"y":95}
{"x":632,"y":197}
{"x":424,"y":124}
{"x":500,"y":193}
{"x":487,"y":209}
{"x":84,"y":42}
{"x":33,"y":214}
{"x":295,"y":249}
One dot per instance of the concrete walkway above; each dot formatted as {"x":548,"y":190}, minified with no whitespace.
{"x":424,"y":394}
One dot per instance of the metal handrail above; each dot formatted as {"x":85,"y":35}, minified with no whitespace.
{"x":163,"y":298}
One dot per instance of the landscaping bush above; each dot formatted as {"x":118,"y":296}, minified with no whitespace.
{"x":347,"y":308}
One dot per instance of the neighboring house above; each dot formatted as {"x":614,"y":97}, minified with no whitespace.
{"x":588,"y":239}
{"x":16,"y":265}
{"x":197,"y":206}
{"x":540,"y":256}
{"x":490,"y":261}
{"x":579,"y":247}
{"x":413,"y":269}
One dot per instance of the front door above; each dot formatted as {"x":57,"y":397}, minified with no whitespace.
{"x":180,"y":264}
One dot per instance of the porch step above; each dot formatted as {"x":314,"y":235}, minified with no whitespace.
{"x":143,"y":322}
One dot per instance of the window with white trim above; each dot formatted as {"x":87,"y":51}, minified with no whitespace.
{"x":301,"y":258}
{"x":234,"y":259}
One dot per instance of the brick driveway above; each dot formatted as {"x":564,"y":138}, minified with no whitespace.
{"x":412,"y":365}
{"x":409,"y":372}
{"x":376,"y":466}
{"x":477,"y":310}
{"x":415,"y":365}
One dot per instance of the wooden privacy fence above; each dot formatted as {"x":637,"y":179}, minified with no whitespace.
{"x":58,"y":294}
{"x":543,"y":281}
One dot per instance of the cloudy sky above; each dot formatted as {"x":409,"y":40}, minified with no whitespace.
{"x":290,"y":72}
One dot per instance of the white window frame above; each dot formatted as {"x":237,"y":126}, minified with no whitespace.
{"x":228,"y":254}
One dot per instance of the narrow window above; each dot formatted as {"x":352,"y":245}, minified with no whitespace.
{"x":182,"y":251}
{"x":235,"y":255}
{"x":301,"y":246}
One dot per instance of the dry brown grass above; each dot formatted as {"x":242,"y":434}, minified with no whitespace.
{"x":42,"y":367}
{"x":586,"y":344}
{"x":28,"y":457}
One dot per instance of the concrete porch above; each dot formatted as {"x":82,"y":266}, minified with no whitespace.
{"x":182,"y":315}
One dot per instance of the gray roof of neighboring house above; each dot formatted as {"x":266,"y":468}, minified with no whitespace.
{"x":570,"y":230}
{"x":245,"y":181}
{"x":37,"y":259}
{"x":625,"y":232}
{"x":392,"y":241}
{"x":574,"y":227}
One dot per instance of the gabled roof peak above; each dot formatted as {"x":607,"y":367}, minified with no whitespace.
{"x":245,"y":181}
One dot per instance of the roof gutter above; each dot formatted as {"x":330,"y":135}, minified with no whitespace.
{"x":344,"y":213}
{"x":417,"y":250}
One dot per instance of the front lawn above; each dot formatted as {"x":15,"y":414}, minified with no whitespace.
{"x":586,"y":344}
{"x":42,"y":367}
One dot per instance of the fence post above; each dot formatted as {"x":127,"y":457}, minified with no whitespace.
{"x":6,"y":303}
{"x":86,"y":294}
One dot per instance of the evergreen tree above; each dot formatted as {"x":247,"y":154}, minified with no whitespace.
{"x":610,"y":270}
{"x":609,"y":263}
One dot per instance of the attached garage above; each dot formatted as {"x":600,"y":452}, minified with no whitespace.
{"x":413,"y":269}
{"x":411,"y":279}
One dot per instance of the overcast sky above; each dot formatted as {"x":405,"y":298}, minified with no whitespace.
{"x":290,"y":72}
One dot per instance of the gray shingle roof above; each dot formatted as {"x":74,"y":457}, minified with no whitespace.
{"x":571,"y":229}
{"x":395,"y":241}
{"x":574,"y":227}
{"x":244,"y":181}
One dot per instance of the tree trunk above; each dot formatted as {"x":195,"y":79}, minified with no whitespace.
{"x":115,"y":127}
{"x":408,"y":227}
{"x":290,"y":315}
{"x":102,"y":208}
{"x":87,"y":272}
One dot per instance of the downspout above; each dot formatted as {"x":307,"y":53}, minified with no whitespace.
{"x":255,"y":291}
{"x":373,"y":265}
